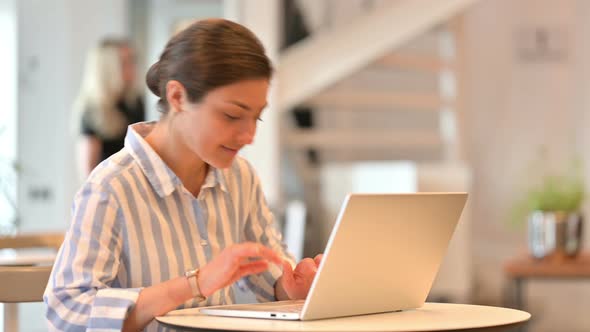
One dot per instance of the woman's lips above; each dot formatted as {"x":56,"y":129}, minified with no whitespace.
{"x":230,"y":150}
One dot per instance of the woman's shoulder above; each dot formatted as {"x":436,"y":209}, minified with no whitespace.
{"x":113,"y":169}
{"x":240,"y":172}
{"x":241,"y":166}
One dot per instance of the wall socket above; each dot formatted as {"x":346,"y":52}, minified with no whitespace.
{"x":40,"y":193}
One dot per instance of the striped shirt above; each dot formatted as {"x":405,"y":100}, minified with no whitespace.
{"x":135,"y":225}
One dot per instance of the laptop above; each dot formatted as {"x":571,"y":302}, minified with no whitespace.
{"x":382,"y":255}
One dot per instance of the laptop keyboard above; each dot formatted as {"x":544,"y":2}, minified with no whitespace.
{"x":297,"y":307}
{"x":281,"y":306}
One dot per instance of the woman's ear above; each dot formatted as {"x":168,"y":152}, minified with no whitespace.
{"x":176,"y":95}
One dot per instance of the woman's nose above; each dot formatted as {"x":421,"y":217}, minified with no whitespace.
{"x":248,"y":132}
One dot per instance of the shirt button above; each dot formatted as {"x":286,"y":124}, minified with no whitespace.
{"x":204,"y":242}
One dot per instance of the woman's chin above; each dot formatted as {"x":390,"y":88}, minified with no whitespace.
{"x":221,"y":163}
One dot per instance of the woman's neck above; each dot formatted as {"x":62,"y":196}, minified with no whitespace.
{"x":184,"y":163}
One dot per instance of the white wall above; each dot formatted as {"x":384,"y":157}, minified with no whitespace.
{"x":53,"y":38}
{"x":8,"y":130}
{"x":514,"y":106}
{"x":163,"y":17}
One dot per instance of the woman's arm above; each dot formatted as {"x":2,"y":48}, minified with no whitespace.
{"x":156,"y":301}
{"x":78,"y":294}
{"x":233,"y":263}
{"x":89,"y":152}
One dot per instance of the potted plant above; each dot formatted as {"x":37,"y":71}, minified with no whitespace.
{"x":552,"y":210}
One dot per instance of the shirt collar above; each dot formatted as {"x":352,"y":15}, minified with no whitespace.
{"x":161,"y":177}
{"x":214,"y":178}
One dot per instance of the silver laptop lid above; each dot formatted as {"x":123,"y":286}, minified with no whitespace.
{"x":383,"y":253}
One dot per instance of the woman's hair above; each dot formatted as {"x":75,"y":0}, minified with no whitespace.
{"x":102,"y":88}
{"x":206,"y":55}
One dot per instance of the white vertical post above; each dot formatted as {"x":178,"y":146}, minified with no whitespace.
{"x":262,"y":17}
{"x":456,"y":27}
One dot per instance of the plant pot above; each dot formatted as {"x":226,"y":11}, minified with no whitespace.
{"x":554,"y":233}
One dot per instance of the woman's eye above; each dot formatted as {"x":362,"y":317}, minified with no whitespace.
{"x":231,"y":117}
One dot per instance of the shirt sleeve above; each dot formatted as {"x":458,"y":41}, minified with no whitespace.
{"x":261,"y":227}
{"x":81,"y":294}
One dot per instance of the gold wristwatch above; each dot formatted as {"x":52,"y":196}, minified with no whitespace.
{"x":193,"y":280}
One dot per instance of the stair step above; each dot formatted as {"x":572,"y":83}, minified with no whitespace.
{"x":362,"y":139}
{"x":377,"y":99}
{"x":426,"y":63}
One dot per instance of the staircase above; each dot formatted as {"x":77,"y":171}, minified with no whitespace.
{"x":386,"y":85}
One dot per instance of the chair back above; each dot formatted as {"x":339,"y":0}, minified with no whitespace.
{"x":23,"y":283}
{"x":26,"y":283}
{"x":23,"y":241}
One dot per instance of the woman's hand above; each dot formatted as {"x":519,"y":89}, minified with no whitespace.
{"x":233,"y":263}
{"x":295,"y":284}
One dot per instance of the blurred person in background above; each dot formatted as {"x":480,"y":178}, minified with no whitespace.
{"x":108,"y":101}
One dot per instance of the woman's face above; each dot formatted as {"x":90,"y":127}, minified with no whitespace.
{"x":225,"y":120}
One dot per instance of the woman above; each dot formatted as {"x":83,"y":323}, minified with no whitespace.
{"x":176,"y":217}
{"x":107,"y":103}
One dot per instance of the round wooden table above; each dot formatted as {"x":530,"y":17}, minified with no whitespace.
{"x":431,"y":317}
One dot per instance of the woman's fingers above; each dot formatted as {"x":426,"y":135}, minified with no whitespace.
{"x":270,"y":255}
{"x":253,"y":250}
{"x":235,"y":262}
{"x":249,"y":268}
{"x":318,"y":259}
{"x":296,"y":282}
{"x":288,"y":278}
{"x":253,"y":268}
{"x":306,"y":267}
{"x":249,"y":258}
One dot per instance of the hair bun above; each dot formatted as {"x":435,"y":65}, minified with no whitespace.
{"x":152,"y":78}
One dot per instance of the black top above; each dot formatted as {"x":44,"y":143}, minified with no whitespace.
{"x":133,"y":114}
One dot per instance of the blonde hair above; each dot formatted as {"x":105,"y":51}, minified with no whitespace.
{"x":102,"y":89}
